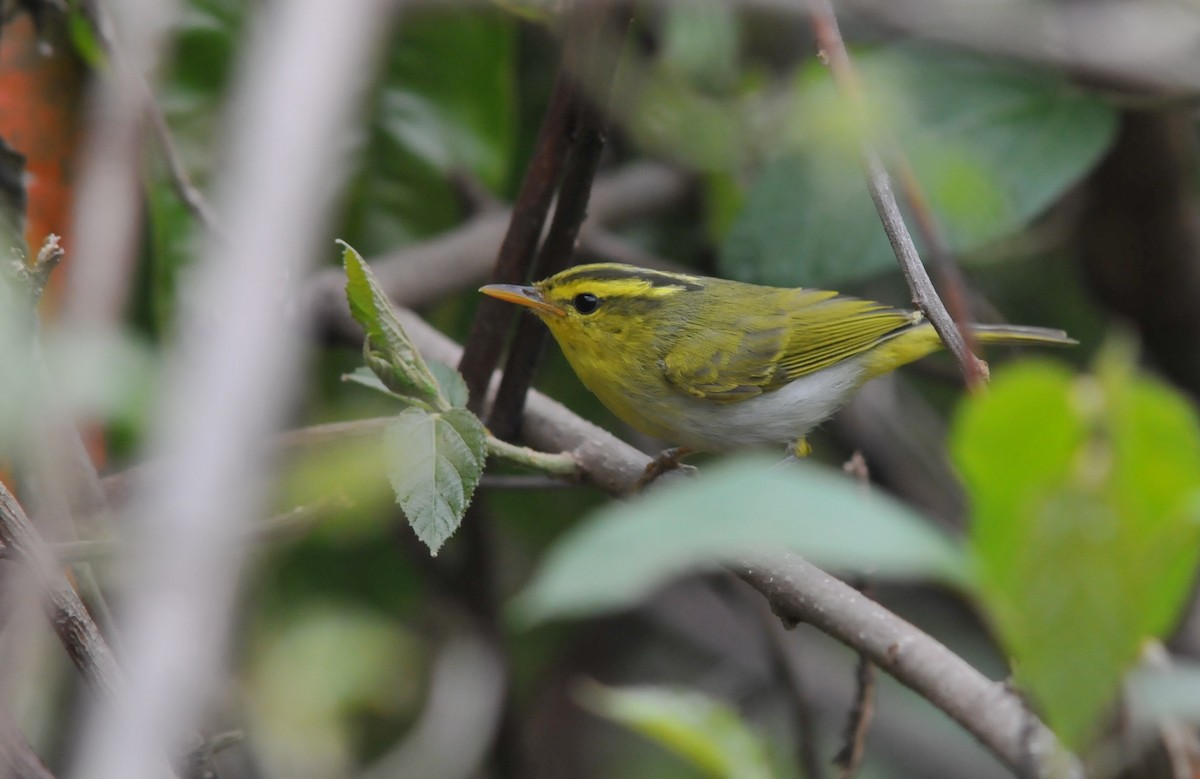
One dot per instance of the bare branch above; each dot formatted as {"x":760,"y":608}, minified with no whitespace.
{"x":833,"y":48}
{"x":587,"y":144}
{"x":68,"y":615}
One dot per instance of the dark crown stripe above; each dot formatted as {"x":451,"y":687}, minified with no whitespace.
{"x":651,"y":277}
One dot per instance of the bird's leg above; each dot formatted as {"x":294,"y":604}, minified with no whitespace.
{"x":796,"y":451}
{"x":666,"y":460}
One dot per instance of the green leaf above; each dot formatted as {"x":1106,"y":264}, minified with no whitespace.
{"x":453,"y":385}
{"x":705,"y":732}
{"x":445,"y":105}
{"x":626,"y":550}
{"x":1085,"y":528}
{"x":992,"y":145}
{"x":434,"y":464}
{"x":390,"y":352}
{"x":365,"y":377}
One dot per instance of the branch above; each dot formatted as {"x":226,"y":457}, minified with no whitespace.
{"x":485,"y":341}
{"x":185,"y":189}
{"x":833,"y":49}
{"x":599,"y":71}
{"x":68,"y":615}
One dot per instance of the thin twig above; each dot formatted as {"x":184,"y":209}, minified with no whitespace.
{"x":950,"y":276}
{"x":780,"y":650}
{"x":181,"y":181}
{"x":833,"y":50}
{"x":289,"y":524}
{"x":850,"y":757}
{"x":854,"y":743}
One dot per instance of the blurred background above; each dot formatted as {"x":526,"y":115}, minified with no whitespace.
{"x":1055,"y":145}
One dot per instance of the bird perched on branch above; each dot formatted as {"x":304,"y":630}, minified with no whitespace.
{"x":713,"y":365}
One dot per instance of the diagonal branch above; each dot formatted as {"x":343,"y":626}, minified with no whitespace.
{"x":587,"y":144}
{"x":833,"y":48}
{"x":68,"y":615}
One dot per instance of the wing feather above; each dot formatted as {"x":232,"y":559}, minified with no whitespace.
{"x":792,"y":333}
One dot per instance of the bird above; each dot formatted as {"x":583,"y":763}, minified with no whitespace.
{"x":716,"y":365}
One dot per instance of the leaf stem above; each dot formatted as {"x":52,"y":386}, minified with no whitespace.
{"x":554,"y":463}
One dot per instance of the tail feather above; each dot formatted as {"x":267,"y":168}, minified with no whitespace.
{"x":912,"y":343}
{"x":1021,"y":334}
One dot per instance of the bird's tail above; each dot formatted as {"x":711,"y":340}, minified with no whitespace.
{"x":913,"y":343}
{"x":1018,"y":335}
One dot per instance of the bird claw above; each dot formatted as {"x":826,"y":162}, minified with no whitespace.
{"x":664,"y":461}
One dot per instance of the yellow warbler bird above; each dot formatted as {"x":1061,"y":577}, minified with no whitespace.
{"x":714,"y":365}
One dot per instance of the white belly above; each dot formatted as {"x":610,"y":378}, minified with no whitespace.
{"x":777,"y":417}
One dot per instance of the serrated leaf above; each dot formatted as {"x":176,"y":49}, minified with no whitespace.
{"x":1085,"y":529}
{"x":627,"y":550}
{"x":365,"y":377}
{"x":992,"y":145}
{"x":398,"y":365}
{"x":434,"y":463}
{"x":452,"y":384}
{"x":707,"y":733}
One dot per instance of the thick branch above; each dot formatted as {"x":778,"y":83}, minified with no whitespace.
{"x":587,"y":144}
{"x":482,"y":349}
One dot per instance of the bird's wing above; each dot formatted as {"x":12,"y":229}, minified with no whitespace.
{"x":791,"y":334}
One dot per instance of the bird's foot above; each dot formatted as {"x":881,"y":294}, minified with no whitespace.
{"x":666,"y":460}
{"x":796,"y":451}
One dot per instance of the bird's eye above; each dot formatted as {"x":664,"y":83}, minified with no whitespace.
{"x":586,"y":302}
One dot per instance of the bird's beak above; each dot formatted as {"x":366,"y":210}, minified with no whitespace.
{"x":522,"y":296}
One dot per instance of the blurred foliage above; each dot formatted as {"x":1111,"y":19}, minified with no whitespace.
{"x":703,"y":731}
{"x":1082,"y":487}
{"x":992,"y":146}
{"x":1086,"y":534}
{"x":627,"y":550}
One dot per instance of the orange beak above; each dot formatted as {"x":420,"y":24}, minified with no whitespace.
{"x":522,"y":296}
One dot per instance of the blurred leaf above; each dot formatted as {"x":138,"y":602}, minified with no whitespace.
{"x":626,"y":550}
{"x":434,"y":463}
{"x":445,"y":105}
{"x":705,"y":732}
{"x":353,"y":663}
{"x":992,"y":145}
{"x":390,"y":352}
{"x":83,"y":38}
{"x":454,"y":386}
{"x":700,"y":41}
{"x":1086,"y":504}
